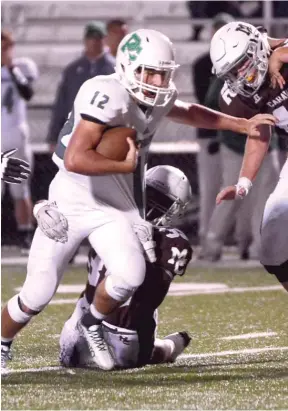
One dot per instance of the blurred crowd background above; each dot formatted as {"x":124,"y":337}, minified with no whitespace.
{"x":71,"y":42}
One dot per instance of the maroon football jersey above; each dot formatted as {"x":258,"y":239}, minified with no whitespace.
{"x":265,"y":100}
{"x":173,"y":252}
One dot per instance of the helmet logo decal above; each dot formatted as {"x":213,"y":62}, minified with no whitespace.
{"x":133,"y":46}
{"x":245,"y":29}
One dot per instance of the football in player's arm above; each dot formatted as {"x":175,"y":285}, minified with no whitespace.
{"x":256,"y":81}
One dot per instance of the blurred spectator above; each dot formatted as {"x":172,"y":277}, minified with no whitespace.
{"x":249,"y":9}
{"x":247,"y":213}
{"x":208,"y":159}
{"x":95,"y":61}
{"x":116,"y":31}
{"x":280,"y":8}
{"x":282,"y":145}
{"x":17,"y":76}
{"x":208,"y":10}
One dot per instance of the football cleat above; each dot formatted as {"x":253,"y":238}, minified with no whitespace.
{"x":180,"y":341}
{"x":98,"y":348}
{"x":5,"y":356}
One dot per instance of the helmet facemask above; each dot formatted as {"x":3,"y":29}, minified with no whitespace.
{"x":143,"y":54}
{"x":247,"y":74}
{"x":153,"y":95}
{"x":161,"y":209}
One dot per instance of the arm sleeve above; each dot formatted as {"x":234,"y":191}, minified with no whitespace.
{"x":24,"y":71}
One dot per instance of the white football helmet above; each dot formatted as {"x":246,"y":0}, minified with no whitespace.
{"x":239,"y":54}
{"x":143,"y":50}
{"x":168,"y":194}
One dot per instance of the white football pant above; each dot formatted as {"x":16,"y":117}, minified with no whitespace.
{"x":110,"y":234}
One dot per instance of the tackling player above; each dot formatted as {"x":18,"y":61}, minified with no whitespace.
{"x":130,"y":330}
{"x":103,"y":199}
{"x":242,"y":56}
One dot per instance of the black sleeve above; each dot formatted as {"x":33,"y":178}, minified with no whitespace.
{"x":23,"y":84}
{"x":60,"y":110}
{"x":201,"y":74}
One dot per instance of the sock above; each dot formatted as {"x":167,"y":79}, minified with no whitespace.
{"x":6,"y":341}
{"x":93,"y":317}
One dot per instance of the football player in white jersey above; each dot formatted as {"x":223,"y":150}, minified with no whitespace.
{"x":131,"y":329}
{"x":17,"y":76}
{"x":103,"y":199}
{"x":248,"y":66}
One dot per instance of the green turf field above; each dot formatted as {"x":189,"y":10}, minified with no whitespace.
{"x":249,"y":371}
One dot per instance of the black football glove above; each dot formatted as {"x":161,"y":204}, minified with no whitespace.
{"x":13,"y":170}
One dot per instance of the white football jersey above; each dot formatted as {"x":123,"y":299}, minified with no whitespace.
{"x":104,"y":99}
{"x":13,"y":106}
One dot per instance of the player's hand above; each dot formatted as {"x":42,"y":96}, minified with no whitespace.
{"x":252,"y":127}
{"x":237,"y":192}
{"x":275,"y":65}
{"x":13,"y":170}
{"x":144,"y":232}
{"x":51,"y":222}
{"x":228,"y":193}
{"x":131,"y":159}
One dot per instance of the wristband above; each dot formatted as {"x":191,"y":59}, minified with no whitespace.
{"x":243,"y":187}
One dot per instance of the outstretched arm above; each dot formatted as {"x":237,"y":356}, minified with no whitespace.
{"x":202,"y":117}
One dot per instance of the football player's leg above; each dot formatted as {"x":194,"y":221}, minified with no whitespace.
{"x":70,"y":335}
{"x":274,"y":250}
{"x":263,"y":186}
{"x":170,"y":347}
{"x":118,"y":247}
{"x":210,"y":173}
{"x":121,"y":252}
{"x":223,"y":216}
{"x":71,"y":345}
{"x":47,"y":262}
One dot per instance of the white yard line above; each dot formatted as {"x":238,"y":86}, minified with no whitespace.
{"x":227,"y":261}
{"x":248,"y":336}
{"x":235,"y":352}
{"x":55,"y":368}
{"x":176,"y":289}
{"x":181,"y":357}
{"x":61,"y":301}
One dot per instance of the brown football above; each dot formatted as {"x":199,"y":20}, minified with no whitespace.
{"x":113,"y":143}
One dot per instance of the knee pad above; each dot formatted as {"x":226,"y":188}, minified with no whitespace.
{"x":118,"y":288}
{"x":280,"y":271}
{"x":16,"y":312}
